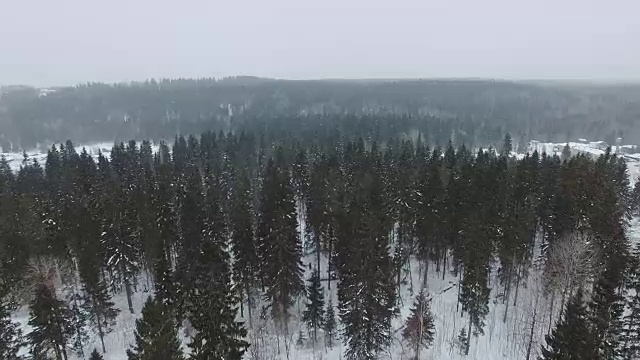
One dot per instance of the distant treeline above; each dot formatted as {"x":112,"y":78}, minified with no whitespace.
{"x":476,"y":113}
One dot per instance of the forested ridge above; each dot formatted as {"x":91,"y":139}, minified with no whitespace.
{"x":474,"y":112}
{"x":221,"y":229}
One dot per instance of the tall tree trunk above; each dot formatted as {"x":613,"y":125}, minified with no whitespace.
{"x":459,"y":290}
{"x":399,"y":253}
{"x":329,"y":266}
{"x":249,"y":304}
{"x":507,"y":292}
{"x":444,"y":265}
{"x":56,"y":349}
{"x":515,"y":298}
{"x":426,"y":273}
{"x":562,"y":301}
{"x":420,"y":332}
{"x":553,"y":298}
{"x":64,"y":351}
{"x":59,"y":343}
{"x":466,"y":350}
{"x":410,"y":276}
{"x":318,"y":243}
{"x":100,"y":330}
{"x":127,"y":287}
{"x":530,"y":344}
{"x":632,"y":324}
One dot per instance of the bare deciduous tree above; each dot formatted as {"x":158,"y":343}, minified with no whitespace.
{"x":572,"y":261}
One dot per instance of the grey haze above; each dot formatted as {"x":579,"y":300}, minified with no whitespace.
{"x":63,"y":42}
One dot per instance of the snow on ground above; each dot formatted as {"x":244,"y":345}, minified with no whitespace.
{"x":595,"y":148}
{"x":122,"y":336}
{"x":15,"y":159}
{"x":504,"y":338}
{"x":507,"y":330}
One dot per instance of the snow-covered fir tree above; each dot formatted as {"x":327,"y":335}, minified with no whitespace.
{"x":156,"y":335}
{"x":313,"y":315}
{"x":330,"y":324}
{"x":95,"y":355}
{"x":50,"y":320}
{"x":572,"y":338}
{"x":10,"y":333}
{"x":279,"y":241}
{"x":419,"y":328}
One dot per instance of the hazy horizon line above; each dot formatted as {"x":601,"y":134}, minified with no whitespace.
{"x":531,"y":80}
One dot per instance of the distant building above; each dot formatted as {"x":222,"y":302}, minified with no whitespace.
{"x":627,"y":149}
{"x":600,"y":145}
{"x":45,"y":92}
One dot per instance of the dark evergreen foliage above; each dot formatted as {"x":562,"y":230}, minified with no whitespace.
{"x":279,"y":244}
{"x":100,"y":310}
{"x":211,"y":304}
{"x":419,"y":328}
{"x":313,"y":315}
{"x":630,"y":322}
{"x":52,"y":325}
{"x":243,"y":244}
{"x":10,"y":335}
{"x":95,"y":355}
{"x":330,"y":324}
{"x":572,"y":338}
{"x":218,"y":219}
{"x":156,"y":334}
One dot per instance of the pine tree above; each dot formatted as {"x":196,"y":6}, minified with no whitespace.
{"x":634,"y":200}
{"x":572,"y":337}
{"x":630,"y":326}
{"x":78,"y":321}
{"x":605,"y":316}
{"x":213,"y":313}
{"x":630,"y":334}
{"x":10,"y":334}
{"x":156,"y":334}
{"x":95,"y":355}
{"x":566,"y":153}
{"x":507,"y":145}
{"x":245,"y":265}
{"x":165,"y":288}
{"x":51,"y":323}
{"x":301,"y":341}
{"x":330,"y":324}
{"x":314,"y":312}
{"x":367,"y":287}
{"x":462,"y":342}
{"x":212,"y":304}
{"x":97,"y":304}
{"x":192,"y":219}
{"x":419,"y":326}
{"x":279,"y":241}
{"x":120,"y":235}
{"x":429,"y":222}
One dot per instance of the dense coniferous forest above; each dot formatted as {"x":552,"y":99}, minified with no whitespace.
{"x":474,"y":112}
{"x":238,"y":234}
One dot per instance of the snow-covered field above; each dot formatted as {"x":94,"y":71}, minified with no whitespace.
{"x":16,"y":159}
{"x":595,"y":148}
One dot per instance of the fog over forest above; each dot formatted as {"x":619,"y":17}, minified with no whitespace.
{"x":361,"y":180}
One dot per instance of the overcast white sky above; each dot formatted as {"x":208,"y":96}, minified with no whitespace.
{"x":58,"y":42}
